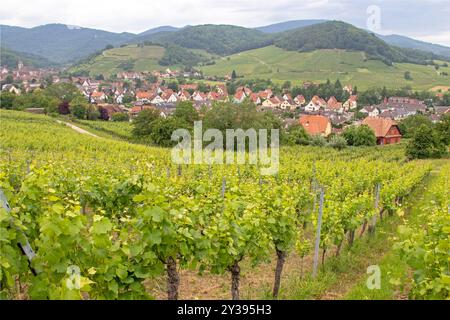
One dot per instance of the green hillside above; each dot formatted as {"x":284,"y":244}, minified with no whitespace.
{"x":10,"y":58}
{"x":341,"y":35}
{"x":319,"y":65}
{"x":60,"y":43}
{"x":115,"y":60}
{"x":140,"y":59}
{"x":217,"y":39}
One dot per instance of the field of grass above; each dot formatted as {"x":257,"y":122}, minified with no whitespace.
{"x":350,"y":67}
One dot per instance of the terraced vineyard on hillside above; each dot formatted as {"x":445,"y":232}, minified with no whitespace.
{"x":350,"y":67}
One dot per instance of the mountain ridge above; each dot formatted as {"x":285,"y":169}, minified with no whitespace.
{"x":342,"y":35}
{"x":288,"y":25}
{"x":158,"y":29}
{"x":65,"y":44}
{"x":60,"y":43}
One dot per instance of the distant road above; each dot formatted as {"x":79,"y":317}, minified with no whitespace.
{"x":78,"y":129}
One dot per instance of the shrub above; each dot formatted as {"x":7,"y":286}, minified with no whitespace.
{"x":318,"y":141}
{"x":142,"y":124}
{"x":295,"y":135}
{"x":120,"y":117}
{"x":443,"y":129}
{"x":338,"y":142}
{"x":162,"y":129}
{"x":409,"y":125}
{"x":426,"y":143}
{"x":359,"y":136}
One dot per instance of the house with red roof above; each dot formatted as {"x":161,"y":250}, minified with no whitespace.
{"x":315,"y":104}
{"x":266,"y":94}
{"x":138,"y":108}
{"x":254,"y":97}
{"x":98,"y":96}
{"x":198,"y":96}
{"x":109,"y":109}
{"x":351,"y":103}
{"x":287,"y":96}
{"x":386,"y":130}
{"x":212,"y":95}
{"x":287,"y":103}
{"x":348,"y":88}
{"x":157,"y":99}
{"x":299,"y":100}
{"x":316,"y":125}
{"x":144,"y":96}
{"x":222,"y":90}
{"x":273,"y":102}
{"x":239,"y":96}
{"x":184,"y":95}
{"x":169,"y":96}
{"x":334,"y":105}
{"x":246,"y":90}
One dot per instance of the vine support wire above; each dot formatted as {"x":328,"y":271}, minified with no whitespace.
{"x":222,"y":192}
{"x":374,"y":218}
{"x":319,"y":226}
{"x":224,"y":186}
{"x":24,"y":245}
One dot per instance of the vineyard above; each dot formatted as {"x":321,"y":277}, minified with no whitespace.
{"x":105,"y":217}
{"x":427,"y":250}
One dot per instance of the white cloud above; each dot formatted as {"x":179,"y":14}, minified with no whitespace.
{"x":439,"y":38}
{"x":401,"y":16}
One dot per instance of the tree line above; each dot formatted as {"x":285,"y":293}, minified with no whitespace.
{"x":151,"y":127}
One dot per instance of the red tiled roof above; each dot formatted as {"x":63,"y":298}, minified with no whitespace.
{"x":315,"y":124}
{"x":380,"y":126}
{"x":96,"y":94}
{"x":143,"y":95}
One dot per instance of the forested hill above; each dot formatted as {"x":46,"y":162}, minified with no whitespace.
{"x":10,"y":58}
{"x":218,"y":39}
{"x":341,"y":35}
{"x":60,"y":43}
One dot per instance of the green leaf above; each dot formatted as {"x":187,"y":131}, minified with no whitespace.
{"x":156,"y":214}
{"x":139,"y":198}
{"x":122,"y":272}
{"x":153,"y":237}
{"x":102,"y":226}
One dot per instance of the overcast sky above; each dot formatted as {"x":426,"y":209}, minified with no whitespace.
{"x":426,"y":20}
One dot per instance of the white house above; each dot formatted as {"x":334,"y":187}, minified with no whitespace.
{"x":157,"y":100}
{"x":315,"y":104}
{"x":351,"y":103}
{"x":173,"y":98}
{"x":371,"y":111}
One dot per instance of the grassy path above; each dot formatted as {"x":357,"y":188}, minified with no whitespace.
{"x":78,"y":129}
{"x":394,"y":271}
{"x":345,"y":277}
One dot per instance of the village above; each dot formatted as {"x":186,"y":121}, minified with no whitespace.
{"x":132,"y":92}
